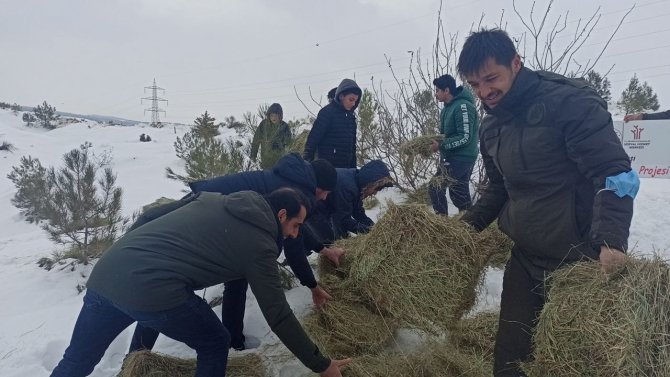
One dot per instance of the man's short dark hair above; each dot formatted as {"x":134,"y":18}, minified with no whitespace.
{"x":445,"y":82}
{"x":289,"y":199}
{"x":482,"y":45}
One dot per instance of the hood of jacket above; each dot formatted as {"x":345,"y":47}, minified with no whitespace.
{"x":275,"y":108}
{"x":294,"y":168}
{"x":463,"y":94}
{"x":348,"y":85}
{"x":250,"y":207}
{"x":372,"y":172}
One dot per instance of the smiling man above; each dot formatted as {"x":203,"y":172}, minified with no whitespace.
{"x":560,"y":185}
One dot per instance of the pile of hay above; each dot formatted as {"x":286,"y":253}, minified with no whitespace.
{"x":419,"y":146}
{"x":605,"y":325}
{"x":417,"y":267}
{"x":149,"y":364}
{"x":433,"y":359}
{"x":476,"y":334}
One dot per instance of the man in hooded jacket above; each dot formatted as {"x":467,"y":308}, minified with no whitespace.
{"x":273,"y":135}
{"x":458,"y":150}
{"x":150,"y":274}
{"x":333,"y":135}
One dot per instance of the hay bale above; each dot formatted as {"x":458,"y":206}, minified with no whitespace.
{"x":419,"y":146}
{"x":150,"y":364}
{"x":157,"y":203}
{"x":418,"y":267}
{"x":476,"y":334}
{"x":595,"y":324}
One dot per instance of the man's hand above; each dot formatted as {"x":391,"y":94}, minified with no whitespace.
{"x":320,"y":297}
{"x":434,"y":146}
{"x":611,"y":259}
{"x":334,"y":368}
{"x":630,"y":117}
{"x":333,"y":254}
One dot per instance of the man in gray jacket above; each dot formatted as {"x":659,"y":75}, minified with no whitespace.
{"x":149,"y":275}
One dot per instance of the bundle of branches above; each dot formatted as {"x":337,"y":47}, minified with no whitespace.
{"x":417,"y":267}
{"x":476,"y":334}
{"x":420,"y":146}
{"x":149,"y":364}
{"x":433,"y":359}
{"x":597,"y":324}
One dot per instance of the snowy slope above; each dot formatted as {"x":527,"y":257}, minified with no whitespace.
{"x":39,"y":307}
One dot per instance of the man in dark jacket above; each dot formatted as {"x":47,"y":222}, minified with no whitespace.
{"x":314,"y":179}
{"x":149,"y":276}
{"x":273,"y":135}
{"x":458,"y":150}
{"x":343,"y":211}
{"x":333,"y":135}
{"x":647,"y":116}
{"x":560,"y":182}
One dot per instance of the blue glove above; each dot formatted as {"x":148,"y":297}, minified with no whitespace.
{"x":624,"y":184}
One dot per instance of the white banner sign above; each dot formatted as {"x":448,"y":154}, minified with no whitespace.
{"x":647,"y":142}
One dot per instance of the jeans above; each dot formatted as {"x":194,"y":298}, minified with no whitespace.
{"x":455,"y":176}
{"x":522,"y":300}
{"x":101,"y":321}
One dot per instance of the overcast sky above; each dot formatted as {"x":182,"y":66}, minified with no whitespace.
{"x":229,"y":56}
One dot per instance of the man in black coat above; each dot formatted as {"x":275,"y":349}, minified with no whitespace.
{"x":314,"y":179}
{"x":560,"y":182}
{"x":333,"y":135}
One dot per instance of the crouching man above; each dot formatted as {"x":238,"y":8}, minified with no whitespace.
{"x":149,"y":275}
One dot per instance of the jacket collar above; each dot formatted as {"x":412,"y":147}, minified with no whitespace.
{"x":517,"y":96}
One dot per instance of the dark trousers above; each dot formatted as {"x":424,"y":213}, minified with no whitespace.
{"x":522,"y":300}
{"x":232,"y":317}
{"x":454,"y":176}
{"x":100,"y":322}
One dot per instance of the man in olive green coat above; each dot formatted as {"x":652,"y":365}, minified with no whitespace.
{"x":273,"y":135}
{"x":149,"y":276}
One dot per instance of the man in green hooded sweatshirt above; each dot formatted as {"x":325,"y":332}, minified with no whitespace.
{"x":273,"y":135}
{"x":459,"y":149}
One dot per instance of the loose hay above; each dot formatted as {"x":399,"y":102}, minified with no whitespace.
{"x":435,"y":359}
{"x":476,"y":334}
{"x":605,"y":325}
{"x":418,"y":267}
{"x":150,"y":364}
{"x":419,"y":146}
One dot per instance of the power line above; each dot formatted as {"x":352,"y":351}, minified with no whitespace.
{"x":155,"y":121}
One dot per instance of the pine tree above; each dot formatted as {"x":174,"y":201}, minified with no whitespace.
{"x":637,"y":98}
{"x":29,"y":119}
{"x":204,"y":126}
{"x":601,"y":85}
{"x":207,"y":157}
{"x":46,"y":115}
{"x":30,"y":180}
{"x":81,"y":211}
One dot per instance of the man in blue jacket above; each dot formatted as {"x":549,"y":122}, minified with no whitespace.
{"x":343,"y":211}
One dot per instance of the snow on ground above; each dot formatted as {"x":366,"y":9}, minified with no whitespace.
{"x":39,"y":307}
